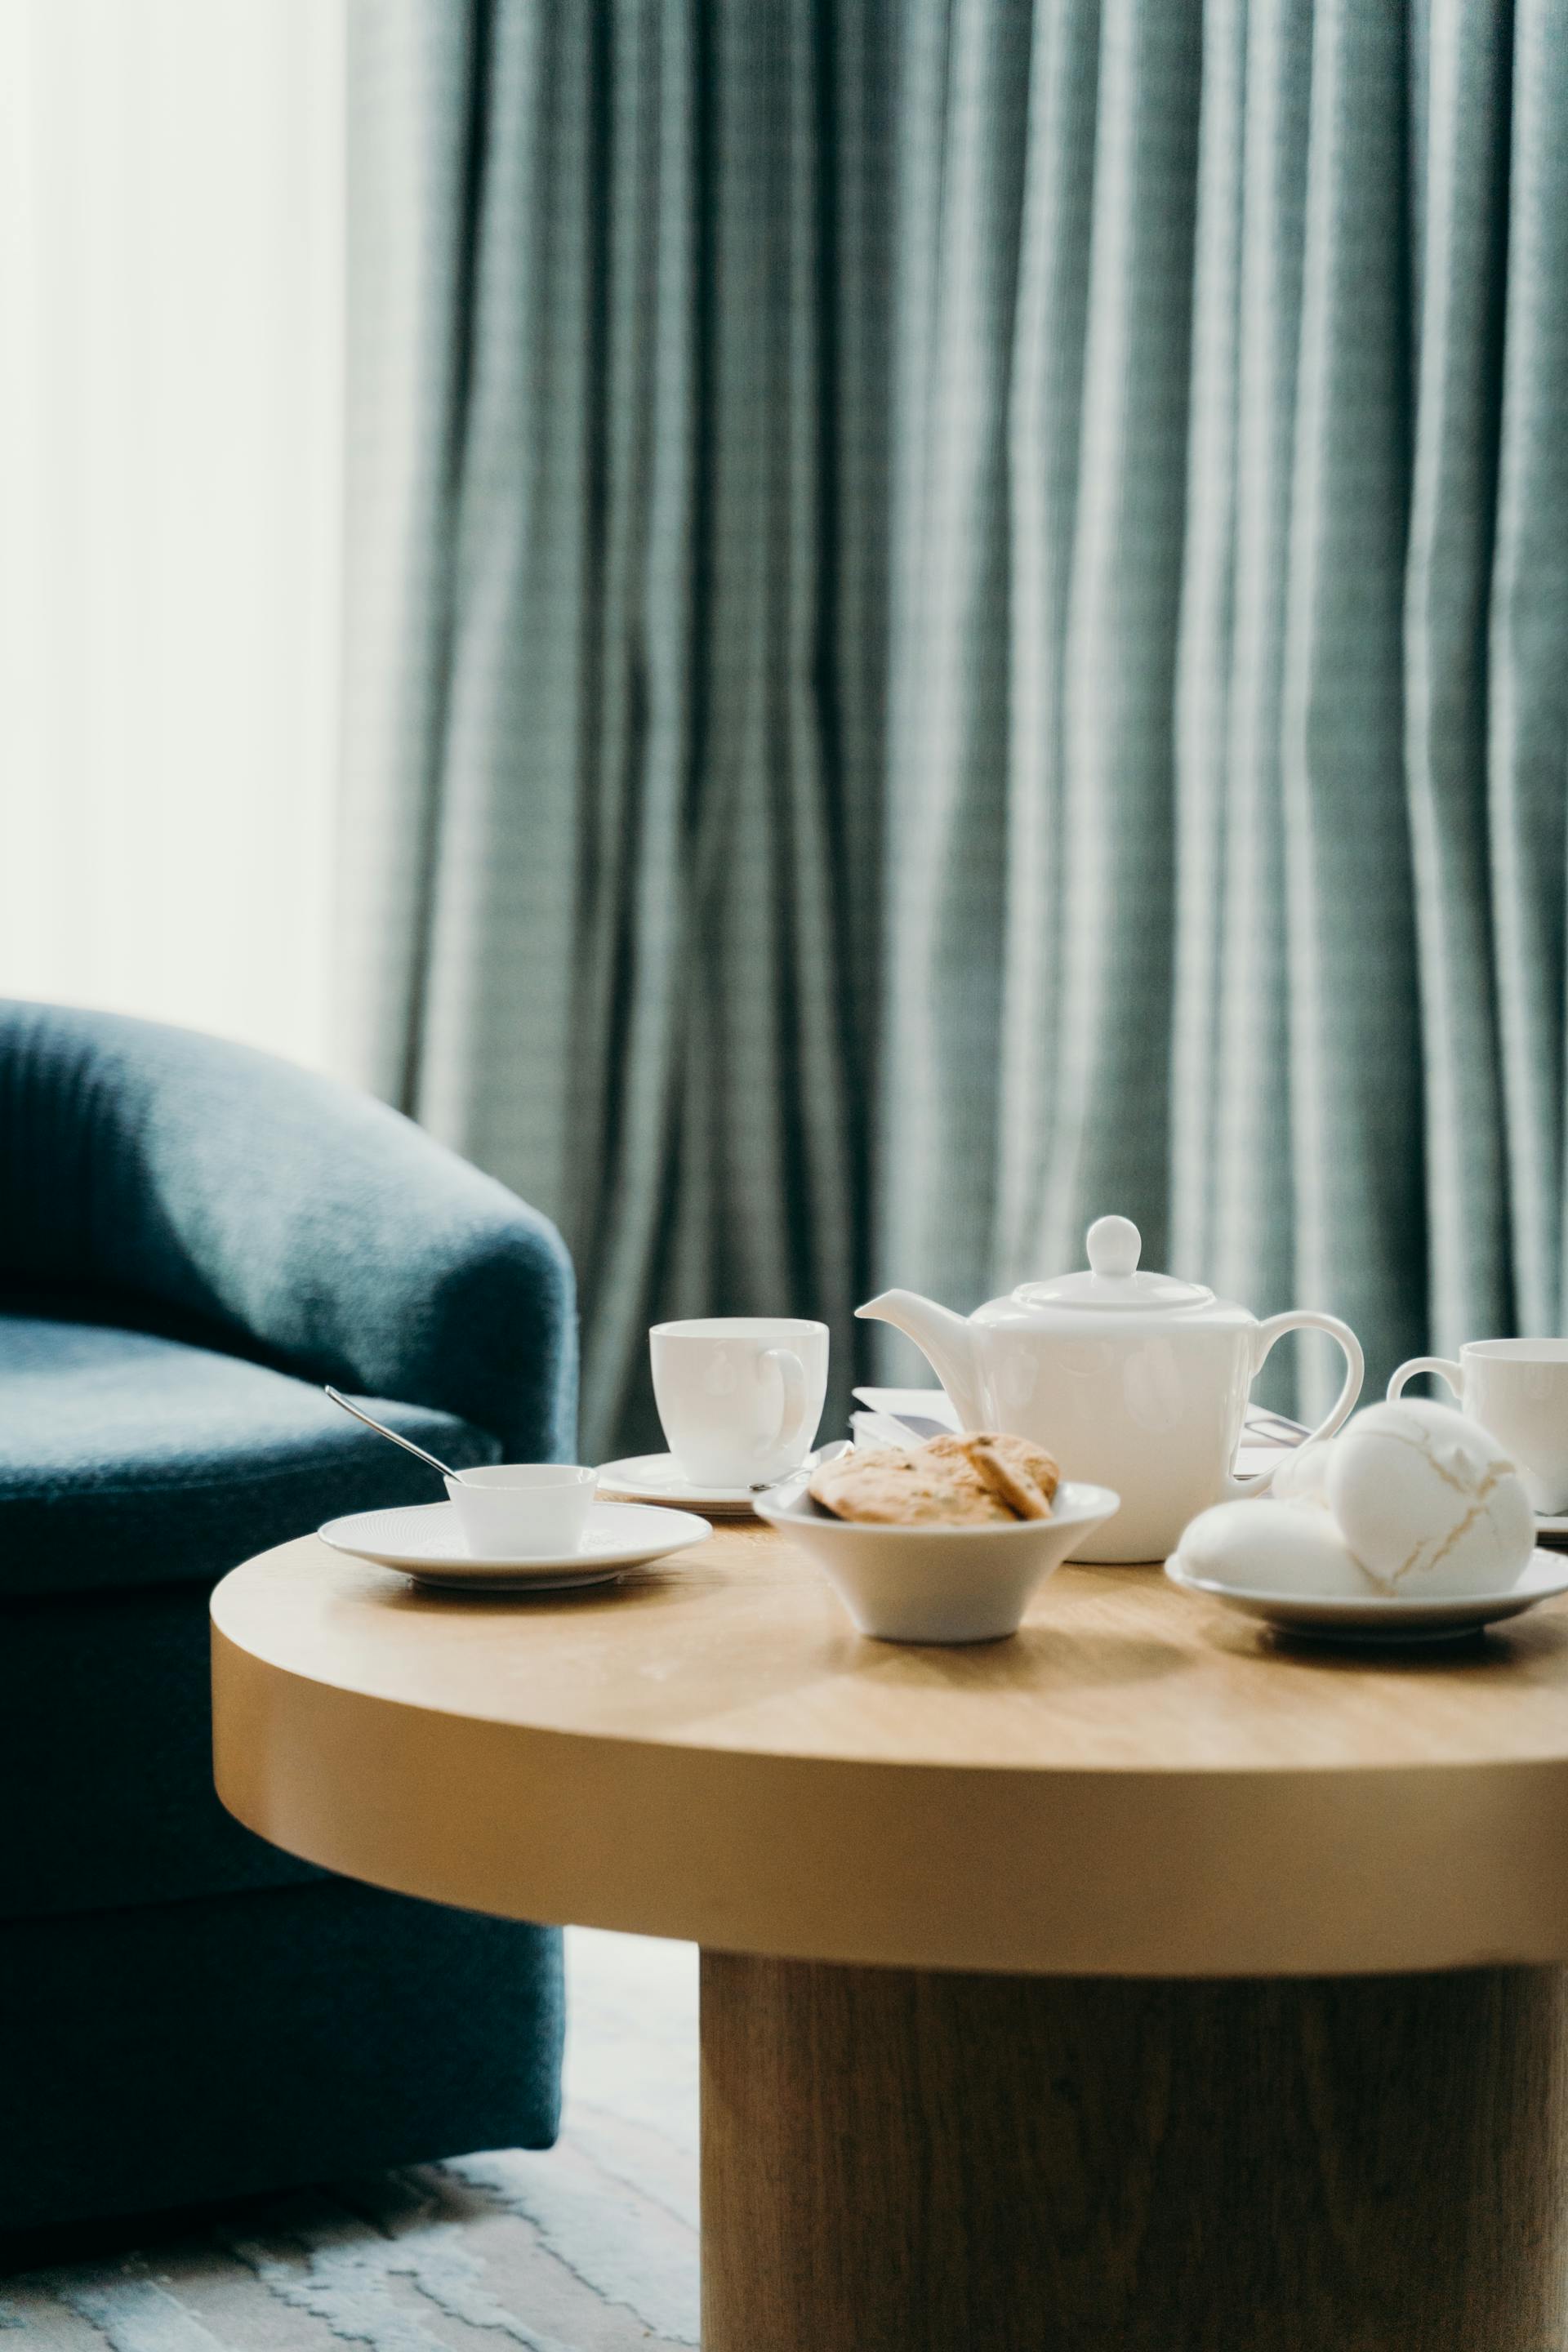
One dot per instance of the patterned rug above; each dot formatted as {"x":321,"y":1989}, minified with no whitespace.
{"x":589,"y":2248}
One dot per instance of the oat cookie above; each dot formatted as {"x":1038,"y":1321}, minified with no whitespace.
{"x":885,"y":1488}
{"x":1023,"y":1474}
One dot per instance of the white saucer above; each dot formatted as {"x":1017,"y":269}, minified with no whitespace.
{"x":1379,"y":1617}
{"x":658,"y":1478}
{"x":424,"y":1541}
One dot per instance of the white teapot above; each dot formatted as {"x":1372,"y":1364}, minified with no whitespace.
{"x":1133,"y":1381}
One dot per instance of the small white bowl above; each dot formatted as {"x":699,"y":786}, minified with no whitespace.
{"x":523,"y":1510}
{"x":938,"y":1584}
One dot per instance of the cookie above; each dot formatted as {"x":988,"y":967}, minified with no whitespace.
{"x":1018,"y":1487}
{"x":1023,"y":1474}
{"x":887,"y":1488}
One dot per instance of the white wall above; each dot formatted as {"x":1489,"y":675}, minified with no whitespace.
{"x":171,"y":331}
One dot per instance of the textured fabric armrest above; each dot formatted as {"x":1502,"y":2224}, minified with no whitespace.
{"x":311,"y":1221}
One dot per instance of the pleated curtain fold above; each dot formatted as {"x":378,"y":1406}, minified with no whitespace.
{"x":617,"y":633}
{"x":958,"y":618}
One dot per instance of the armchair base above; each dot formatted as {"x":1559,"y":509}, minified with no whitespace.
{"x":185,"y":2053}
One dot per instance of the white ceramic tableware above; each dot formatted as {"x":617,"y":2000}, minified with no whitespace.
{"x":1379,"y":1617}
{"x":660,"y":1478}
{"x":740,"y":1396}
{"x":523,"y":1510}
{"x":1280,"y":1547}
{"x":1427,"y":1500}
{"x":1139,"y":1380}
{"x":1518,"y":1390}
{"x":425,"y":1540}
{"x":927,"y":1412}
{"x":935,"y":1584}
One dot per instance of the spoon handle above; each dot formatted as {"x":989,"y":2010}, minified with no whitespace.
{"x":382,"y":1431}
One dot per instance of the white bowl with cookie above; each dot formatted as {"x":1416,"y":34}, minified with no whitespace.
{"x":943,"y":1542}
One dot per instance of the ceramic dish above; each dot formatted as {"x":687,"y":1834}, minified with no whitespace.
{"x":1381,"y":1617}
{"x":937,"y":1584}
{"x":425,"y":1541}
{"x":658,"y":1478}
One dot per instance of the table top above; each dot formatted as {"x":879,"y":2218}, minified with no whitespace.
{"x":1139,"y":1783}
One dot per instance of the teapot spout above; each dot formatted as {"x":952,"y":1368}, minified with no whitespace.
{"x":946,"y":1341}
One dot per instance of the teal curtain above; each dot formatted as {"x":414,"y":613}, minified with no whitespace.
{"x":959,"y":619}
{"x":620,"y":294}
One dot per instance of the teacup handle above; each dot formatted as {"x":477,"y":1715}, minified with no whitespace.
{"x":1263,"y":1341}
{"x":1453,"y":1373}
{"x":794,"y":1405}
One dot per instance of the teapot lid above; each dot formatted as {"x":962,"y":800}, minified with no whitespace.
{"x":1113,"y":1279}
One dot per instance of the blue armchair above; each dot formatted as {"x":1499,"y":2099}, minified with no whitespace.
{"x":192,"y":1236}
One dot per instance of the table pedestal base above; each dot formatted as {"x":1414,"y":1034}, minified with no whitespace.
{"x":902,"y":2161}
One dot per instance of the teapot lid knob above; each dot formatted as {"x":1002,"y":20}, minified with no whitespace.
{"x":1114,"y":1245}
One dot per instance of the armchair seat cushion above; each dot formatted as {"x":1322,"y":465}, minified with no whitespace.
{"x":129,"y":1458}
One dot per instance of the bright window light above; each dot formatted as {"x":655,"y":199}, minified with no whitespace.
{"x":170,"y":366}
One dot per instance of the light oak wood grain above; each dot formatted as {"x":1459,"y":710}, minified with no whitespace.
{"x":739,"y":1646}
{"x":1136,"y":1790}
{"x":896,"y":2161}
{"x":1136,"y":1785}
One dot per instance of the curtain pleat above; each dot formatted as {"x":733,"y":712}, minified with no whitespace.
{"x":1283,"y":968}
{"x":957,"y":622}
{"x":1045,"y":431}
{"x":1527,"y":700}
{"x":413,"y":82}
{"x":643,"y":794}
{"x":1356,"y":1101}
{"x":1462,"y":252}
{"x":962,"y":146}
{"x":1109,"y":1117}
{"x":1234,"y":1181}
{"x":1207,"y":819}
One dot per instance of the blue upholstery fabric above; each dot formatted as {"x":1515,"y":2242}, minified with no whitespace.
{"x":192,"y":1237}
{"x":128,"y":1458}
{"x":293,"y":1219}
{"x":188,"y":2052}
{"x":106,"y":1784}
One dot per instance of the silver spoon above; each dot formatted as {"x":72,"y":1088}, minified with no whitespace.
{"x":382,"y":1431}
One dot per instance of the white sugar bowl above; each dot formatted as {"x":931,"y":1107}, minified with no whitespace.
{"x":1283,"y":1547}
{"x":1427,"y":1501}
{"x":1412,"y":1502}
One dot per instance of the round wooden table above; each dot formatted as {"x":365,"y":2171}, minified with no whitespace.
{"x":1130,"y":1986}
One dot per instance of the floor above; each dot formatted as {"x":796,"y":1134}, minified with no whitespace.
{"x":589,"y":2248}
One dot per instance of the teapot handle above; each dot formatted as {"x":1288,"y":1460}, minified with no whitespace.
{"x":1263,"y":1340}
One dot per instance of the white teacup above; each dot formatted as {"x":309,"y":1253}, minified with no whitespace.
{"x":740,"y":1396}
{"x":1518,"y":1390}
{"x":523,"y":1510}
